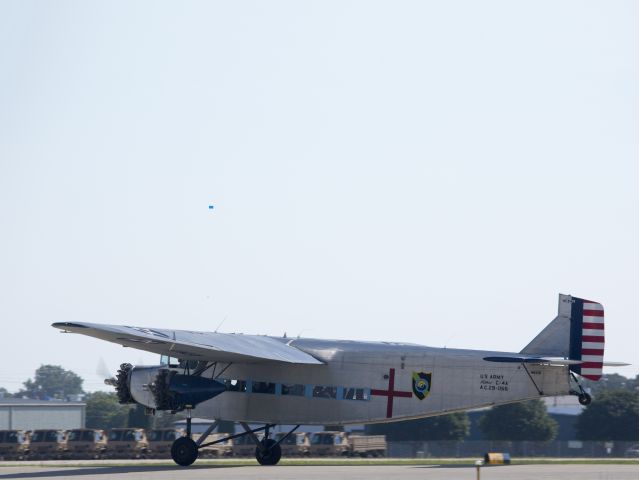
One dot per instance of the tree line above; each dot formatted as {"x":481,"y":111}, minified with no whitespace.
{"x":612,"y":416}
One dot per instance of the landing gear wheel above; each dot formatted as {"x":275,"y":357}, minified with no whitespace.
{"x":184,"y":451}
{"x":585,"y":399}
{"x":269,"y":453}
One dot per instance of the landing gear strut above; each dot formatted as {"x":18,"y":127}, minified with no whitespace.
{"x":267,"y":451}
{"x":583,"y":397}
{"x":184,"y":450}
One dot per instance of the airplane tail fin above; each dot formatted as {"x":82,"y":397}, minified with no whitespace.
{"x":577,"y":333}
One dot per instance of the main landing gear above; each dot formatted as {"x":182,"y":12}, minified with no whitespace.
{"x":267,"y":451}
{"x":583,"y":397}
{"x":184,"y":449}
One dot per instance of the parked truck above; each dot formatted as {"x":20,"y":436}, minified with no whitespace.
{"x":295,"y":445}
{"x":334,"y":444}
{"x":48,"y":444}
{"x":244,"y":446}
{"x":86,"y":443}
{"x":218,"y":450}
{"x":14,"y":444}
{"x":127,"y":443}
{"x":161,"y":440}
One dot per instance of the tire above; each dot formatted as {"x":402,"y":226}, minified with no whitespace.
{"x":184,"y":451}
{"x":269,"y":454}
{"x":585,"y":399}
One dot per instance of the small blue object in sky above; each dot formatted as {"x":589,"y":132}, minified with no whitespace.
{"x":210,"y":207}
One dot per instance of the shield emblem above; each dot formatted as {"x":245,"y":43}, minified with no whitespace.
{"x":421,"y":384}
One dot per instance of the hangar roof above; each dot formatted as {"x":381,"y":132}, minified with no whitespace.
{"x":15,"y":402}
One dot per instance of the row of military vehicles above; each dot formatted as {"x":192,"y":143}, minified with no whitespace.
{"x":88,"y":443}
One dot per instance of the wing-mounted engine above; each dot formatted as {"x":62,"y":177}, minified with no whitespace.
{"x":161,"y":388}
{"x":172,"y":391}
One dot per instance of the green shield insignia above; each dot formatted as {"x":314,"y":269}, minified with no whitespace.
{"x":421,"y":384}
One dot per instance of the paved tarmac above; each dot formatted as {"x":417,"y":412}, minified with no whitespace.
{"x":348,"y":472}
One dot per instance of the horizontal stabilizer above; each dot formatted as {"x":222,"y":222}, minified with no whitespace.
{"x":189,"y":345}
{"x":533,"y":360}
{"x":546,"y":361}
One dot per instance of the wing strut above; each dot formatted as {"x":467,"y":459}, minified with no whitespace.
{"x":540,"y":392}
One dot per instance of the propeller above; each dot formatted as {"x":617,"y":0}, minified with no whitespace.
{"x":103,"y":371}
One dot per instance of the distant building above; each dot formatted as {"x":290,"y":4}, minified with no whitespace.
{"x":564,"y":410}
{"x":27,"y":414}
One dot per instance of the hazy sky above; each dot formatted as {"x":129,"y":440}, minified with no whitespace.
{"x":426,"y":172}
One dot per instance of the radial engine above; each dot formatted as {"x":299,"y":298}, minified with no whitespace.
{"x":161,"y":388}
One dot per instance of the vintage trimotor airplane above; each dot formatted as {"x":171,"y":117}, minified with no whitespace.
{"x":270,"y":380}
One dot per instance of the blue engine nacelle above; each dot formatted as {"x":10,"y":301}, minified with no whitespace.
{"x":160,"y":388}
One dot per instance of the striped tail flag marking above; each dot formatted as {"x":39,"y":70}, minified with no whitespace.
{"x":592,"y":340}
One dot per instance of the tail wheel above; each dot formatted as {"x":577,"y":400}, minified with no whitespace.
{"x":269,"y":453}
{"x":585,"y":399}
{"x":184,"y":451}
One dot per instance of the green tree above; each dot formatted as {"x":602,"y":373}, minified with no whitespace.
{"x":104,"y":411}
{"x":613,"y":415}
{"x":454,"y":426}
{"x":611,"y":381}
{"x":4,"y":393}
{"x":166,"y":419}
{"x":519,"y":421}
{"x":52,"y":381}
{"x":137,"y":417}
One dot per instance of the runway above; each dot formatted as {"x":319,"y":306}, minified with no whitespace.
{"x":346,"y":472}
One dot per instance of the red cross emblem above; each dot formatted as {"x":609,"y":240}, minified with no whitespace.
{"x":391,"y":393}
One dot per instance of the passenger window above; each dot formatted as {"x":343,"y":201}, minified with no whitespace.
{"x":263,"y":387}
{"x":293,"y":389}
{"x":355,"y":394}
{"x":324,"y":392}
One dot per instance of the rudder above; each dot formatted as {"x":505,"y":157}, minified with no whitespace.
{"x":587,"y":337}
{"x":577,"y":333}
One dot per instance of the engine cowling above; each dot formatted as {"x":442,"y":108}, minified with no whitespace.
{"x":160,"y":388}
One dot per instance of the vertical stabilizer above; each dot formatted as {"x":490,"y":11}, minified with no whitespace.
{"x":577,"y":333}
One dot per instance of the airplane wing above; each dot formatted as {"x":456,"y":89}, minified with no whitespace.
{"x":210,"y":346}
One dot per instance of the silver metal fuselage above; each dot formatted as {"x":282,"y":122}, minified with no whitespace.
{"x":459,"y":380}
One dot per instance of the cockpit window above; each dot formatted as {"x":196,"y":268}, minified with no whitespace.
{"x":235,"y":385}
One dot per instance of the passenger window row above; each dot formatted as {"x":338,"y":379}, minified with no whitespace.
{"x":298,"y":390}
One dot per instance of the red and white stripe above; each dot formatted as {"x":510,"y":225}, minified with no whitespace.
{"x":592,"y":340}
